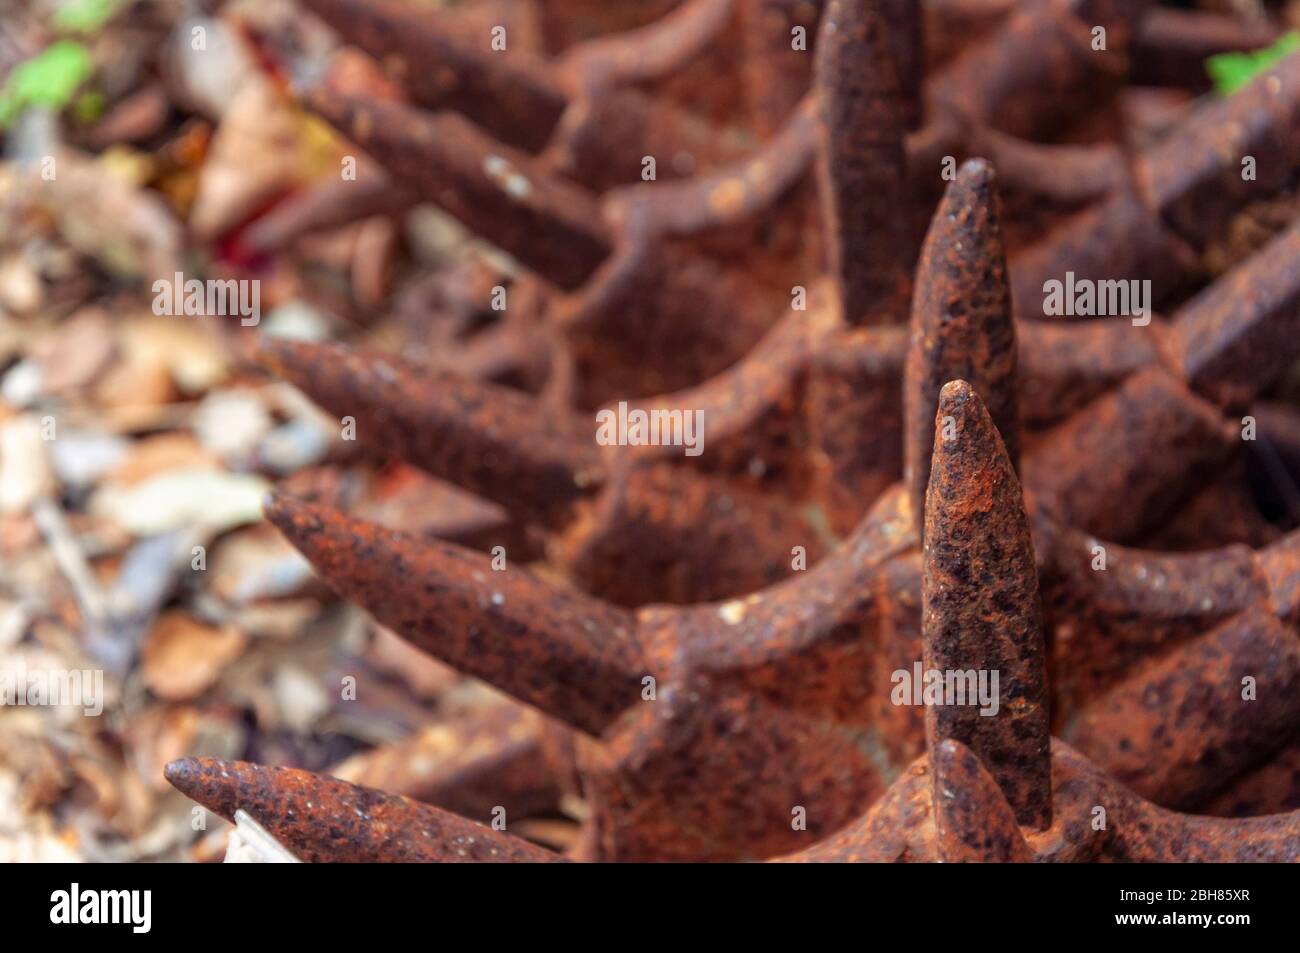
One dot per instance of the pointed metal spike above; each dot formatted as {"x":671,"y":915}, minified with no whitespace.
{"x":321,"y":819}
{"x":509,"y":94}
{"x":1138,"y":831}
{"x":1206,"y":728}
{"x":974,"y":821}
{"x":552,"y":226}
{"x":862,"y":165}
{"x":488,"y":439}
{"x":980,"y":608}
{"x":1241,"y":333}
{"x":488,"y":757}
{"x":897,"y":827}
{"x":1032,"y":75}
{"x":962,"y":327}
{"x":1147,"y":444}
{"x":574,"y":657}
{"x":1194,"y":175}
{"x":329,"y":204}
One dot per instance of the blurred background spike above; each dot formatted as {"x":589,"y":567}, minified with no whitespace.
{"x":510,"y":95}
{"x":489,"y":439}
{"x":552,"y":226}
{"x":862,"y":164}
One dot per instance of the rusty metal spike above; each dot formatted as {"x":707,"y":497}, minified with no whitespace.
{"x":973,"y":821}
{"x":490,"y":757}
{"x":862,"y":165}
{"x":572,"y":656}
{"x":491,"y":440}
{"x":980,"y":605}
{"x":901,"y":826}
{"x":1237,"y":337}
{"x":576,"y":111}
{"x":961,"y":321}
{"x":1193,"y":176}
{"x":1178,"y":194}
{"x":1226,"y":346}
{"x":509,"y":94}
{"x":323,"y":820}
{"x":1124,"y":462}
{"x":754,"y":678}
{"x":1206,"y":732}
{"x":904,"y":27}
{"x":552,"y":226}
{"x":1039,"y":58}
{"x":766,"y":645}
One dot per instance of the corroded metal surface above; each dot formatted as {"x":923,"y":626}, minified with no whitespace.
{"x":902,"y":828}
{"x":862,"y":162}
{"x":761,"y":724}
{"x":980,"y":602}
{"x":573,"y":657}
{"x":321,"y":819}
{"x":961,"y":326}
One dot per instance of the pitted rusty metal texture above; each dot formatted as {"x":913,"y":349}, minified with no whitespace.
{"x":323,"y":819}
{"x":962,"y":326}
{"x":582,"y":650}
{"x":1093,"y":469}
{"x":749,"y":654}
{"x":980,"y":602}
{"x":651,"y":307}
{"x":707,"y":646}
{"x":902,"y":827}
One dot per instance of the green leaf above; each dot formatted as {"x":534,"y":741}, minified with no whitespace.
{"x":90,"y":106}
{"x":48,"y":79}
{"x":84,"y":16}
{"x":1232,"y":71}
